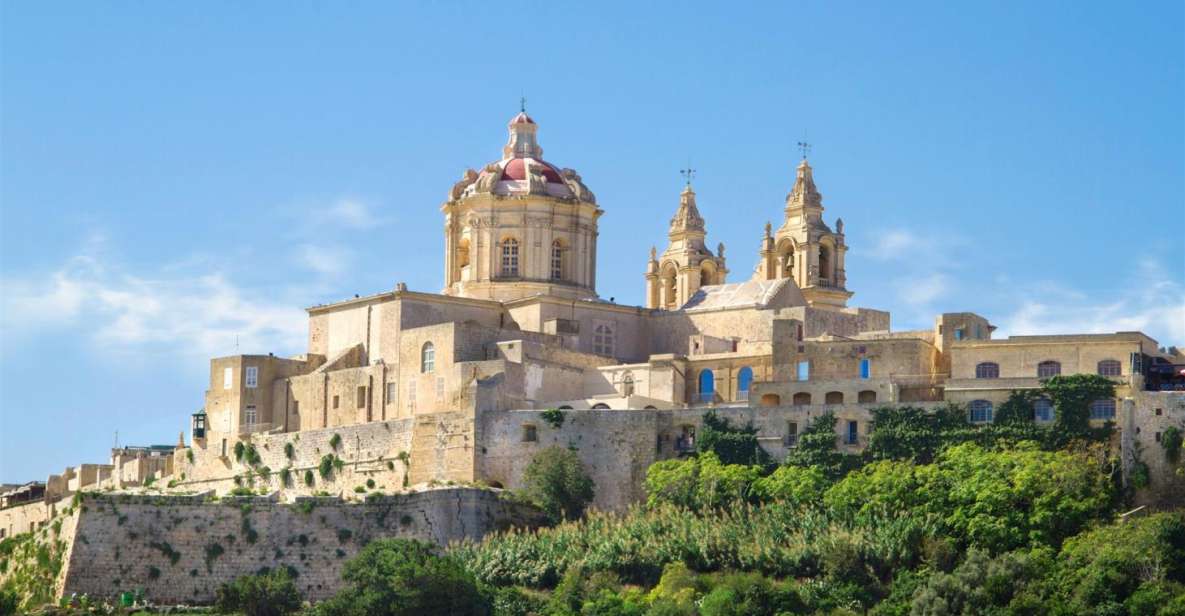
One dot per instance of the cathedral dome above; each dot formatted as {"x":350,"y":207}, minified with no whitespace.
{"x":522,"y":170}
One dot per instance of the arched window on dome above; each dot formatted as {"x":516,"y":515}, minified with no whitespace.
{"x":557,"y":260}
{"x":510,"y":257}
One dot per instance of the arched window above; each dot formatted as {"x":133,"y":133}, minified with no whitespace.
{"x":707,"y":273}
{"x":1110,"y":367}
{"x":771,"y":400}
{"x":668,"y":299}
{"x":1102,"y":409}
{"x":833,"y":397}
{"x":981,"y":411}
{"x":1043,"y":409}
{"x":824,"y":262}
{"x":1048,"y":368}
{"x":707,"y":386}
{"x":786,"y":260}
{"x":627,"y":385}
{"x":603,"y":339}
{"x":427,"y":358}
{"x":867,"y":396}
{"x":802,"y":399}
{"x":510,"y":257}
{"x":557,"y":260}
{"x":987,"y":370}
{"x":600,"y":406}
{"x":744,"y":381}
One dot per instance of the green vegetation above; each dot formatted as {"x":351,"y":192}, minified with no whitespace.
{"x":335,"y":441}
{"x":269,"y":593}
{"x":397,"y":577}
{"x":554,"y":418}
{"x":558,"y":483}
{"x":289,"y":451}
{"x":326,"y":465}
{"x":732,"y":445}
{"x":1170,"y":440}
{"x":308,"y":478}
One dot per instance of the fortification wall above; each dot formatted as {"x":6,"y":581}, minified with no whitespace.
{"x":1147,"y":418}
{"x":180,"y":549}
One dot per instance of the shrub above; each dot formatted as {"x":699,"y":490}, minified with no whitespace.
{"x":370,"y":483}
{"x":270,"y":593}
{"x":397,"y":577}
{"x":9,"y":602}
{"x":326,"y":465}
{"x":557,"y":481}
{"x":1171,"y":440}
{"x":286,"y":476}
{"x":189,"y":455}
{"x":240,"y":448}
{"x":289,"y":451}
{"x":335,"y":441}
{"x":554,"y":417}
{"x":732,"y":445}
{"x":308,"y":478}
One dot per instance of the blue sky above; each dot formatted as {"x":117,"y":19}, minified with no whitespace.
{"x":176,"y":177}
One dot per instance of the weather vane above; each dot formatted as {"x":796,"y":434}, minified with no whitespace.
{"x":805,"y":147}
{"x":688,"y":174}
{"x":522,"y":104}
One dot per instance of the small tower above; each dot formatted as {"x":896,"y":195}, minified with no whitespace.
{"x":686,"y":264}
{"x":804,"y":249}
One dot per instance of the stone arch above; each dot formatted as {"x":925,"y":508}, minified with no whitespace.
{"x":866,"y":397}
{"x":744,"y":382}
{"x":600,"y":406}
{"x":827,"y":261}
{"x":707,"y":272}
{"x":833,"y":397}
{"x":802,"y":398}
{"x":427,"y":358}
{"x":770,"y":400}
{"x":785,"y":259}
{"x":707,"y":386}
{"x":667,"y":277}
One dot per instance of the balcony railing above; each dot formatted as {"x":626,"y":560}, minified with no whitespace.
{"x":705,"y":397}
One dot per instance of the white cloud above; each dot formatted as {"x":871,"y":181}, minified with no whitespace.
{"x":924,"y":289}
{"x":351,"y":214}
{"x":1153,"y":303}
{"x":327,"y":259}
{"x":191,"y":315}
{"x":893,"y":244}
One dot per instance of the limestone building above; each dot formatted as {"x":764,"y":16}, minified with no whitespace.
{"x":408,"y":388}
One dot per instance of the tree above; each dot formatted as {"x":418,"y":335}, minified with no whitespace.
{"x":271,"y":593}
{"x":731,"y":444}
{"x":557,"y":481}
{"x":401,"y":577}
{"x":816,"y":447}
{"x":1071,"y":396}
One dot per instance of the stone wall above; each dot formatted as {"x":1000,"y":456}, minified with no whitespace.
{"x":180,"y":549}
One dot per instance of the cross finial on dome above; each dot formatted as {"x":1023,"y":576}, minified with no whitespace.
{"x":522,"y":104}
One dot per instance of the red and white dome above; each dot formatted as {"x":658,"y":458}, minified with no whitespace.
{"x":522,"y":170}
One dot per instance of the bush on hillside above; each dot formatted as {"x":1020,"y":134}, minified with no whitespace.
{"x":271,"y":593}
{"x":558,"y":483}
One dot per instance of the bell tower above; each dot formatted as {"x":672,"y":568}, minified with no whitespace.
{"x":804,"y":249}
{"x":686,"y":264}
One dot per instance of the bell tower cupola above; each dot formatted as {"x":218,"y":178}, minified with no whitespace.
{"x":805,"y":249}
{"x":686,"y":264}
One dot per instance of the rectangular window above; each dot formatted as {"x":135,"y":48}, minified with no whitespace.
{"x":530,"y":435}
{"x":603,"y":339}
{"x":296,"y":407}
{"x":361,"y":396}
{"x":792,"y":434}
{"x":959,"y":334}
{"x":224,"y":448}
{"x":853,"y":435}
{"x":228,"y":377}
{"x":804,"y":370}
{"x":336,"y":401}
{"x":252,"y":377}
{"x":865,"y":368}
{"x":392,"y":392}
{"x":250,"y":415}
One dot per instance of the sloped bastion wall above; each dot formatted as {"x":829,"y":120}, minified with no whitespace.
{"x":179,"y":549}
